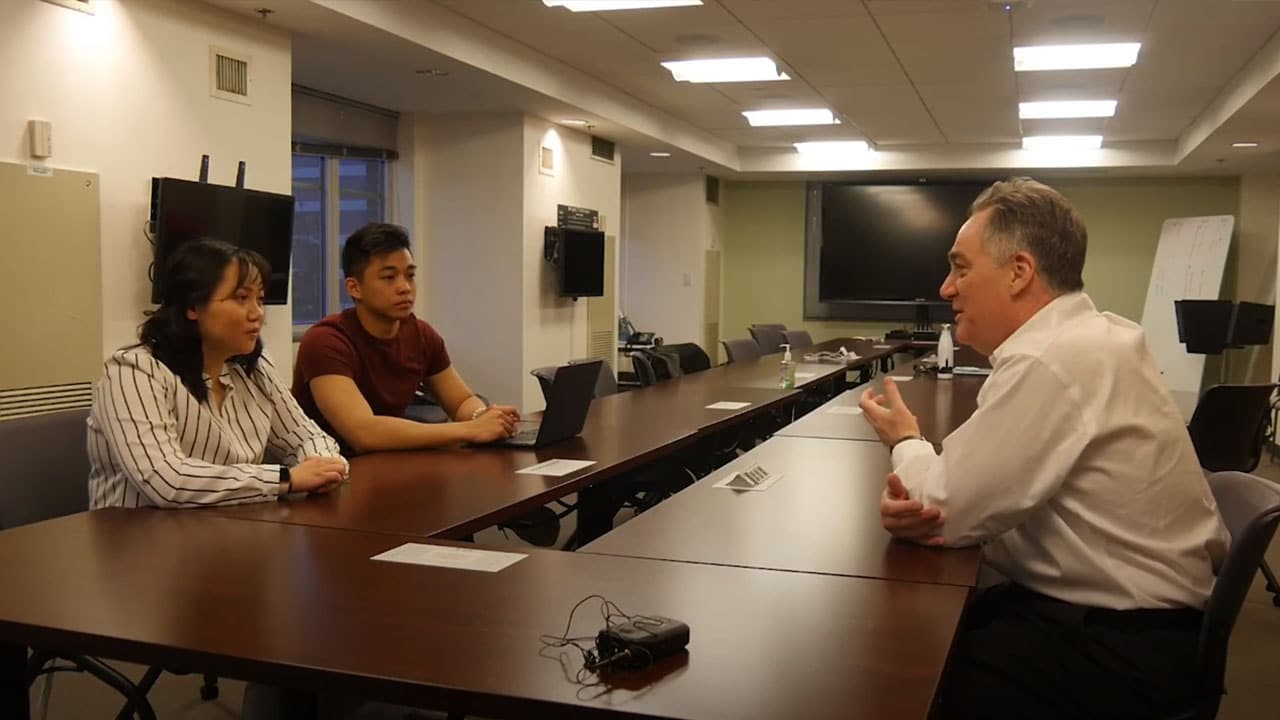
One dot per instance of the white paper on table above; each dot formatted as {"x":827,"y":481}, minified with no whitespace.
{"x":882,"y":347}
{"x":450,"y":557}
{"x":897,"y":378}
{"x":726,"y":405}
{"x":845,"y":410}
{"x":556,"y":468}
{"x":805,"y":376}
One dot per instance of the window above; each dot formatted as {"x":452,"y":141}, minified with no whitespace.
{"x":332,"y":197}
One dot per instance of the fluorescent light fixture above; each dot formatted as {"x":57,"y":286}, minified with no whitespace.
{"x":603,"y":5}
{"x":725,"y":70}
{"x":1067,"y":109}
{"x":804,"y":116}
{"x":833,"y":147}
{"x":659,"y":154}
{"x":1062,"y":142}
{"x":1075,"y":57}
{"x":1244,"y":145}
{"x":574,"y":121}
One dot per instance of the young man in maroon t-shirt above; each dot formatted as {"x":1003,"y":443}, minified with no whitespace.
{"x":358,"y":370}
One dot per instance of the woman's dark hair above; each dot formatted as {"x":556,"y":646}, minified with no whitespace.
{"x":190,"y":276}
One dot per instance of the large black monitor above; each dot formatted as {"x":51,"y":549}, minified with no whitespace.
{"x":889,"y":243}
{"x":1251,"y":324}
{"x":1203,"y":325}
{"x":182,"y":211}
{"x":579,"y":259}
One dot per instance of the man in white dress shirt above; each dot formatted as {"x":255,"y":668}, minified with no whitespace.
{"x":1075,"y":473}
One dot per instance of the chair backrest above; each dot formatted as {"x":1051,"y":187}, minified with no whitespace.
{"x":45,"y":461}
{"x":1250,"y":508}
{"x":691,"y":357}
{"x":798,"y":338}
{"x":645,"y":374}
{"x":665,"y":365}
{"x":769,"y":337}
{"x":1228,"y":425}
{"x":740,"y":349}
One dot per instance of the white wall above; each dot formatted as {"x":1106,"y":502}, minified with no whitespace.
{"x":669,"y":228}
{"x":127,"y":92}
{"x":555,"y":329}
{"x":471,"y":270}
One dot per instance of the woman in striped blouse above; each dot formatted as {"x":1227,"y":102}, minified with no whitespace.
{"x":190,"y":415}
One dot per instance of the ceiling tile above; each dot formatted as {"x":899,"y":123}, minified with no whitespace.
{"x":1061,"y":22}
{"x":888,"y":115}
{"x":973,"y":113}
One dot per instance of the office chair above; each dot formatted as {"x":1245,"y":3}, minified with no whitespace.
{"x":1250,"y":507}
{"x":1229,"y":425}
{"x":1228,"y":429}
{"x":665,"y":367}
{"x":798,"y":338}
{"x":741,"y":349}
{"x":690,"y":357}
{"x":769,"y":337}
{"x":46,"y":476}
{"x":643,"y":367}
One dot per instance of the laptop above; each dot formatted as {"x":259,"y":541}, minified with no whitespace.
{"x":568,"y":402}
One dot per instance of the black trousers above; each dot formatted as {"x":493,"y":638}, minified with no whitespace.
{"x":1021,"y":654}
{"x":13,"y":686}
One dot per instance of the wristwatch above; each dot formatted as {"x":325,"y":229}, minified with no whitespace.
{"x":285,"y":480}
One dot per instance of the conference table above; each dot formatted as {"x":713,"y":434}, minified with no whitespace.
{"x":799,"y":604}
{"x":940,"y":406}
{"x":821,"y":515}
{"x":452,"y":493}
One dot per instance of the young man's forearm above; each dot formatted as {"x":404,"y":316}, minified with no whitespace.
{"x":392,"y":433}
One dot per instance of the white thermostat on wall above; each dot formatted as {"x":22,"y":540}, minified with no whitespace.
{"x":40,"y":133}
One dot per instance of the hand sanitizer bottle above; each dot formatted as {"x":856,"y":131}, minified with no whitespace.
{"x":786,"y":370}
{"x":946,"y":354}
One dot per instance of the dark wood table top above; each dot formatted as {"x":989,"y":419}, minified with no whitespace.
{"x":821,"y":516}
{"x":454,"y":492}
{"x":940,"y":406}
{"x":306,"y":607}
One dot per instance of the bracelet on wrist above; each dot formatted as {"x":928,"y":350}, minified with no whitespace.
{"x":901,"y":440}
{"x":479,"y":411}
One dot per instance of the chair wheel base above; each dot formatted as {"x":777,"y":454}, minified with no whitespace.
{"x":208,"y":692}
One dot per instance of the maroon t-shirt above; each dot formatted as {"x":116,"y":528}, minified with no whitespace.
{"x":387,"y":372}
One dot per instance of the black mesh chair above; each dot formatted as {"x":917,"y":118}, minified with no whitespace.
{"x":769,"y":337}
{"x":1228,"y":429}
{"x":798,"y":338}
{"x":741,"y":349}
{"x":1229,"y":425}
{"x":1250,"y":508}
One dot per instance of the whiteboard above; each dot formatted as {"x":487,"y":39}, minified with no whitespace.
{"x":1190,"y":260}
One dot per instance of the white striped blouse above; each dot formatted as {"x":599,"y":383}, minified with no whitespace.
{"x":151,"y":443}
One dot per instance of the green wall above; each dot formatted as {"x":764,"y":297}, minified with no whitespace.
{"x":764,"y":245}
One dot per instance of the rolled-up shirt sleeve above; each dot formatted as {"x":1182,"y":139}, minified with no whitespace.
{"x":1007,"y":460}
